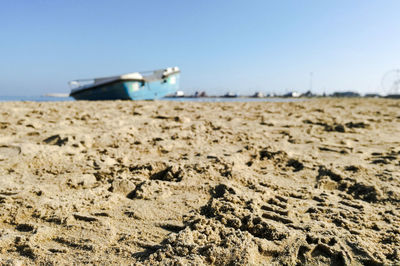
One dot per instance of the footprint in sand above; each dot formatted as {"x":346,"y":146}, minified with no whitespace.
{"x":7,"y":152}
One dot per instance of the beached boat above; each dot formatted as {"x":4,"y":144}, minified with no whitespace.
{"x":132,"y":86}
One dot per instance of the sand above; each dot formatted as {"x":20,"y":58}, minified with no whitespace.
{"x":312,"y":182}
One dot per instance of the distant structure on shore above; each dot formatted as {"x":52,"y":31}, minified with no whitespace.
{"x":308,"y":94}
{"x":291,"y":94}
{"x":179,"y":94}
{"x":200,"y":94}
{"x":346,"y":94}
{"x":230,"y":95}
{"x":258,"y":95}
{"x":372,"y":95}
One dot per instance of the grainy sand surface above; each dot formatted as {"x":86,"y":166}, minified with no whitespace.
{"x":313,"y":182}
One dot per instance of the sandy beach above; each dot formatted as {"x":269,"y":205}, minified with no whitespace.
{"x":312,"y":182}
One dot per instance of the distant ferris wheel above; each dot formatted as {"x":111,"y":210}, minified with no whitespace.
{"x":391,"y":82}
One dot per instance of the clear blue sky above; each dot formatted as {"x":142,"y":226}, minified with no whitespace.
{"x":238,"y":46}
